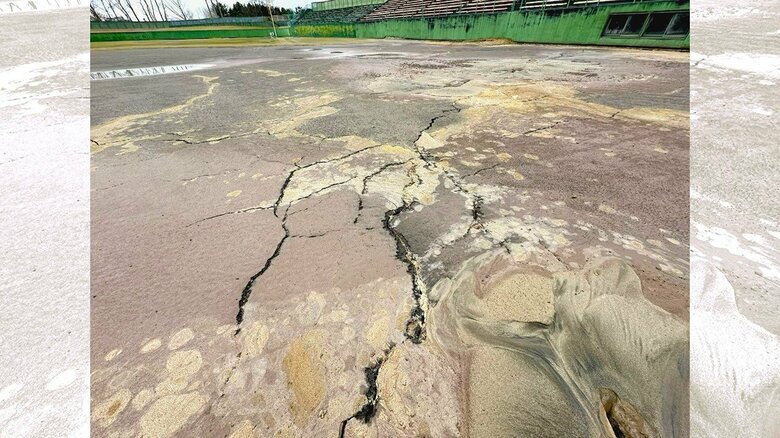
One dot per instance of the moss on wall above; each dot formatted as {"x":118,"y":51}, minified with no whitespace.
{"x":326,"y":30}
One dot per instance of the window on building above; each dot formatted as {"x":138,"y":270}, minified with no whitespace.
{"x":668,"y":24}
{"x":657,"y":24}
{"x":616,"y":24}
{"x":625,"y":24}
{"x":680,"y":25}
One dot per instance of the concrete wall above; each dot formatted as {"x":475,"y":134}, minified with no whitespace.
{"x":573,"y":26}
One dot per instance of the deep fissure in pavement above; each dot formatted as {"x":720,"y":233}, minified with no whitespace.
{"x":368,"y":410}
{"x":366,"y":180}
{"x":246,"y":293}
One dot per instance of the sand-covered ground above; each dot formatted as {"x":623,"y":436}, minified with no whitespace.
{"x":735,"y":233}
{"x":390,"y":238}
{"x":44,"y":220}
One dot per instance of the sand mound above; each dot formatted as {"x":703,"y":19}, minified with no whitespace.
{"x":735,"y":377}
{"x":575,"y":354}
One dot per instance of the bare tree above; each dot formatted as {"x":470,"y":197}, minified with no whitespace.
{"x":161,"y":9}
{"x":178,"y":10}
{"x":94,"y":15}
{"x":149,"y":11}
{"x":106,"y":11}
{"x":96,"y":12}
{"x":151,"y":16}
{"x":128,"y":5}
{"x":143,"y":10}
{"x":156,"y":8}
{"x":122,"y":9}
{"x":216,"y":8}
{"x":212,"y":10}
{"x":113,"y":11}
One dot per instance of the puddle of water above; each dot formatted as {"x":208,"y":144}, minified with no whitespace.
{"x":341,"y":52}
{"x":146,"y":71}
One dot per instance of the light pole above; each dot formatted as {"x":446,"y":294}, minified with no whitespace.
{"x":269,"y":3}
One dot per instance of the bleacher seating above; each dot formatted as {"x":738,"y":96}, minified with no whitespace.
{"x":543,"y":4}
{"x":552,"y":4}
{"x":393,"y":9}
{"x":341,"y":15}
{"x":486,"y":6}
{"x":435,"y":8}
{"x":442,"y":7}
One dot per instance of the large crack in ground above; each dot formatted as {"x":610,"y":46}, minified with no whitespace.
{"x":247,"y":291}
{"x":415,"y":325}
{"x":367,"y":179}
{"x":475,"y":200}
{"x":415,"y":330}
{"x":368,"y":410}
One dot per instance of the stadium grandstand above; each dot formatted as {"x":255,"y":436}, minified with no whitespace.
{"x":640,"y":23}
{"x":348,"y":11}
{"x":341,"y":15}
{"x":433,"y":8}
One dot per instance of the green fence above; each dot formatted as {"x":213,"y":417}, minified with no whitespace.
{"x":561,"y":26}
{"x":111,"y":25}
{"x":225,"y":21}
{"x":338,"y":4}
{"x":326,"y":30}
{"x":187,"y":34}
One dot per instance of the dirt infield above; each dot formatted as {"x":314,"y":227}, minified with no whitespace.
{"x":280,"y":240}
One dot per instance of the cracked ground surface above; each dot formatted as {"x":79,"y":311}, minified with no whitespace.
{"x":273,"y":237}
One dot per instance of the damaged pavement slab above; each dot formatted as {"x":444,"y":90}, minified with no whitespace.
{"x":277,"y":239}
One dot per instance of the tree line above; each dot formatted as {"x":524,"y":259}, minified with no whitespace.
{"x":251,"y":9}
{"x":165,"y":10}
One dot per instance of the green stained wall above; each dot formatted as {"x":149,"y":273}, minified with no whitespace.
{"x":556,"y":26}
{"x":187,"y":34}
{"x":325,"y":30}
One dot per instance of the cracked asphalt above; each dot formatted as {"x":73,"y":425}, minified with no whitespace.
{"x":268,"y":231}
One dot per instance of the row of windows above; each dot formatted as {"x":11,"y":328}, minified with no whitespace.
{"x":656,"y":24}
